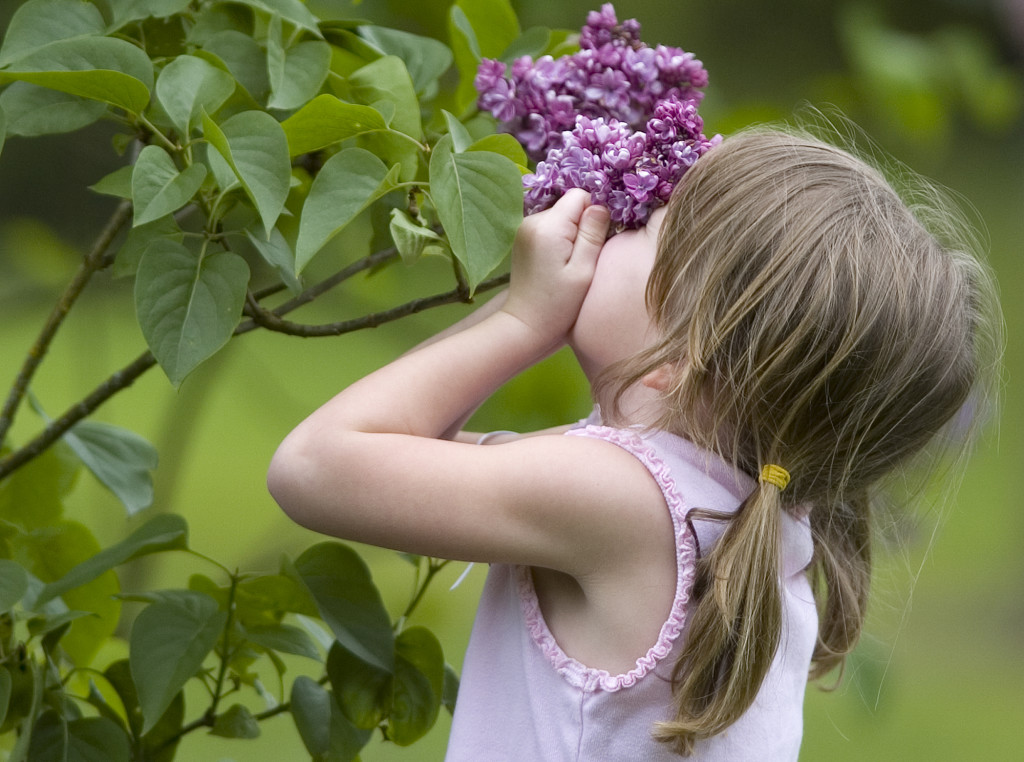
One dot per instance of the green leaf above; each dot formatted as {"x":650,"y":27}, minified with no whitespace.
{"x":169,"y":641}
{"x":255,"y":146}
{"x":118,"y":183}
{"x":3,"y":128}
{"x":326,"y":120}
{"x":39,"y":22}
{"x":494,"y":23}
{"x":505,"y":145}
{"x":387,"y":79}
{"x":284,"y":638}
{"x":292,"y":11}
{"x":464,"y":41}
{"x":349,"y":602}
{"x":158,"y":188}
{"x":236,"y":722}
{"x":51,"y":555}
{"x":363,"y":691}
{"x":479,"y":199}
{"x":187,"y":305}
{"x":156,"y":743}
{"x":297,"y":73}
{"x":311,"y":710}
{"x":534,"y":42}
{"x":418,"y":687}
{"x":13,"y":585}
{"x":461,"y":139}
{"x":273,"y":595}
{"x":98,"y":699}
{"x":91,"y":739}
{"x":410,"y":237}
{"x":244,"y":58}
{"x":133,"y":10}
{"x":478,"y":29}
{"x":100,"y":68}
{"x":189,"y":85}
{"x":425,"y":58}
{"x":32,"y":110}
{"x":120,"y":459}
{"x":450,"y":692}
{"x":223,"y":174}
{"x":277,"y":253}
{"x":161,"y":533}
{"x":326,"y":732}
{"x":32,"y":496}
{"x":347,"y":183}
{"x":126,"y":263}
{"x":44,"y":625}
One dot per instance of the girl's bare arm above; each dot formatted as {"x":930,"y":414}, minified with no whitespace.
{"x":369,"y":466}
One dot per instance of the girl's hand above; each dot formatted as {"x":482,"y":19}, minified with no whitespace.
{"x":553,"y":261}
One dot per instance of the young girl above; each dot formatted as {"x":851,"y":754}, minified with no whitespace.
{"x":774,"y":342}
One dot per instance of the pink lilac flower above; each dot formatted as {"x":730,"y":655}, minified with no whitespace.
{"x":617,"y":118}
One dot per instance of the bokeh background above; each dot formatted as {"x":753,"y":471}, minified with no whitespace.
{"x":937,"y":84}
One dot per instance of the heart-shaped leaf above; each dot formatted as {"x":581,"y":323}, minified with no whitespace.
{"x":170,"y":639}
{"x":187,"y":305}
{"x":158,"y":188}
{"x":349,"y":602}
{"x":326,"y":120}
{"x":32,"y":110}
{"x":120,"y":459}
{"x":167,"y":531}
{"x":187,"y":86}
{"x":479,"y":198}
{"x":100,"y":68}
{"x":347,"y":183}
{"x":37,"y":23}
{"x":255,"y":146}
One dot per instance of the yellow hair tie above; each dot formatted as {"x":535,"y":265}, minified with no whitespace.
{"x":776,"y":475}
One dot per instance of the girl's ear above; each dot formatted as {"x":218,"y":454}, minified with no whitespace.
{"x":660,"y":378}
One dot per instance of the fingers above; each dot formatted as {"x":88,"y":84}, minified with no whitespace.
{"x":591,"y":234}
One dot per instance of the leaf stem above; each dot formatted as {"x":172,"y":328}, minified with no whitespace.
{"x":155,"y":131}
{"x":213,"y":561}
{"x":90,"y":264}
{"x":433,"y":567}
{"x":225,"y":648}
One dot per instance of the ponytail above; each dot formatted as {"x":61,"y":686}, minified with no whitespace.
{"x":735,"y":627}
{"x":841,"y":575}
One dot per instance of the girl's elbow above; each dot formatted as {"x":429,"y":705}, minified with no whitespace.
{"x":286,"y":483}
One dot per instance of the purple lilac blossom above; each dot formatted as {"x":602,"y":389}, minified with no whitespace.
{"x":616,"y":118}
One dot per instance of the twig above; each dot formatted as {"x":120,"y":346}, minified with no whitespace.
{"x":272,"y":321}
{"x":127,"y":375}
{"x":90,"y":264}
{"x":311,"y":293}
{"x":55,"y":430}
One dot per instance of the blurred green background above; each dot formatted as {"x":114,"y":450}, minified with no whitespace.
{"x":936,"y":83}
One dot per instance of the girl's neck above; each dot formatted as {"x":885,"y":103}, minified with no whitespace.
{"x":638,"y":405}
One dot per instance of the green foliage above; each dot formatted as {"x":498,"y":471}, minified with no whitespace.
{"x":253,"y":135}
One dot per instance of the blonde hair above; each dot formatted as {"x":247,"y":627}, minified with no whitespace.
{"x":814,"y":320}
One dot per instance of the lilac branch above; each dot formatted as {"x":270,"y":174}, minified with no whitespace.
{"x":260,"y":317}
{"x":272,"y":320}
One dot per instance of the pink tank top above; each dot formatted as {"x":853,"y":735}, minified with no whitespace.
{"x":523,"y":699}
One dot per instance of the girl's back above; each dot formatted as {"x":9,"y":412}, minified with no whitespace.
{"x":555,"y":707}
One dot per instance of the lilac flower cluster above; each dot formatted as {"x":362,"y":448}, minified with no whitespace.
{"x":617,"y":118}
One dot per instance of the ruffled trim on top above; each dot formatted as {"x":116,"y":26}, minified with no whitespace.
{"x":576,"y":673}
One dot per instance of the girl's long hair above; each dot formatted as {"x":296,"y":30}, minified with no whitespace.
{"x":814,"y":319}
